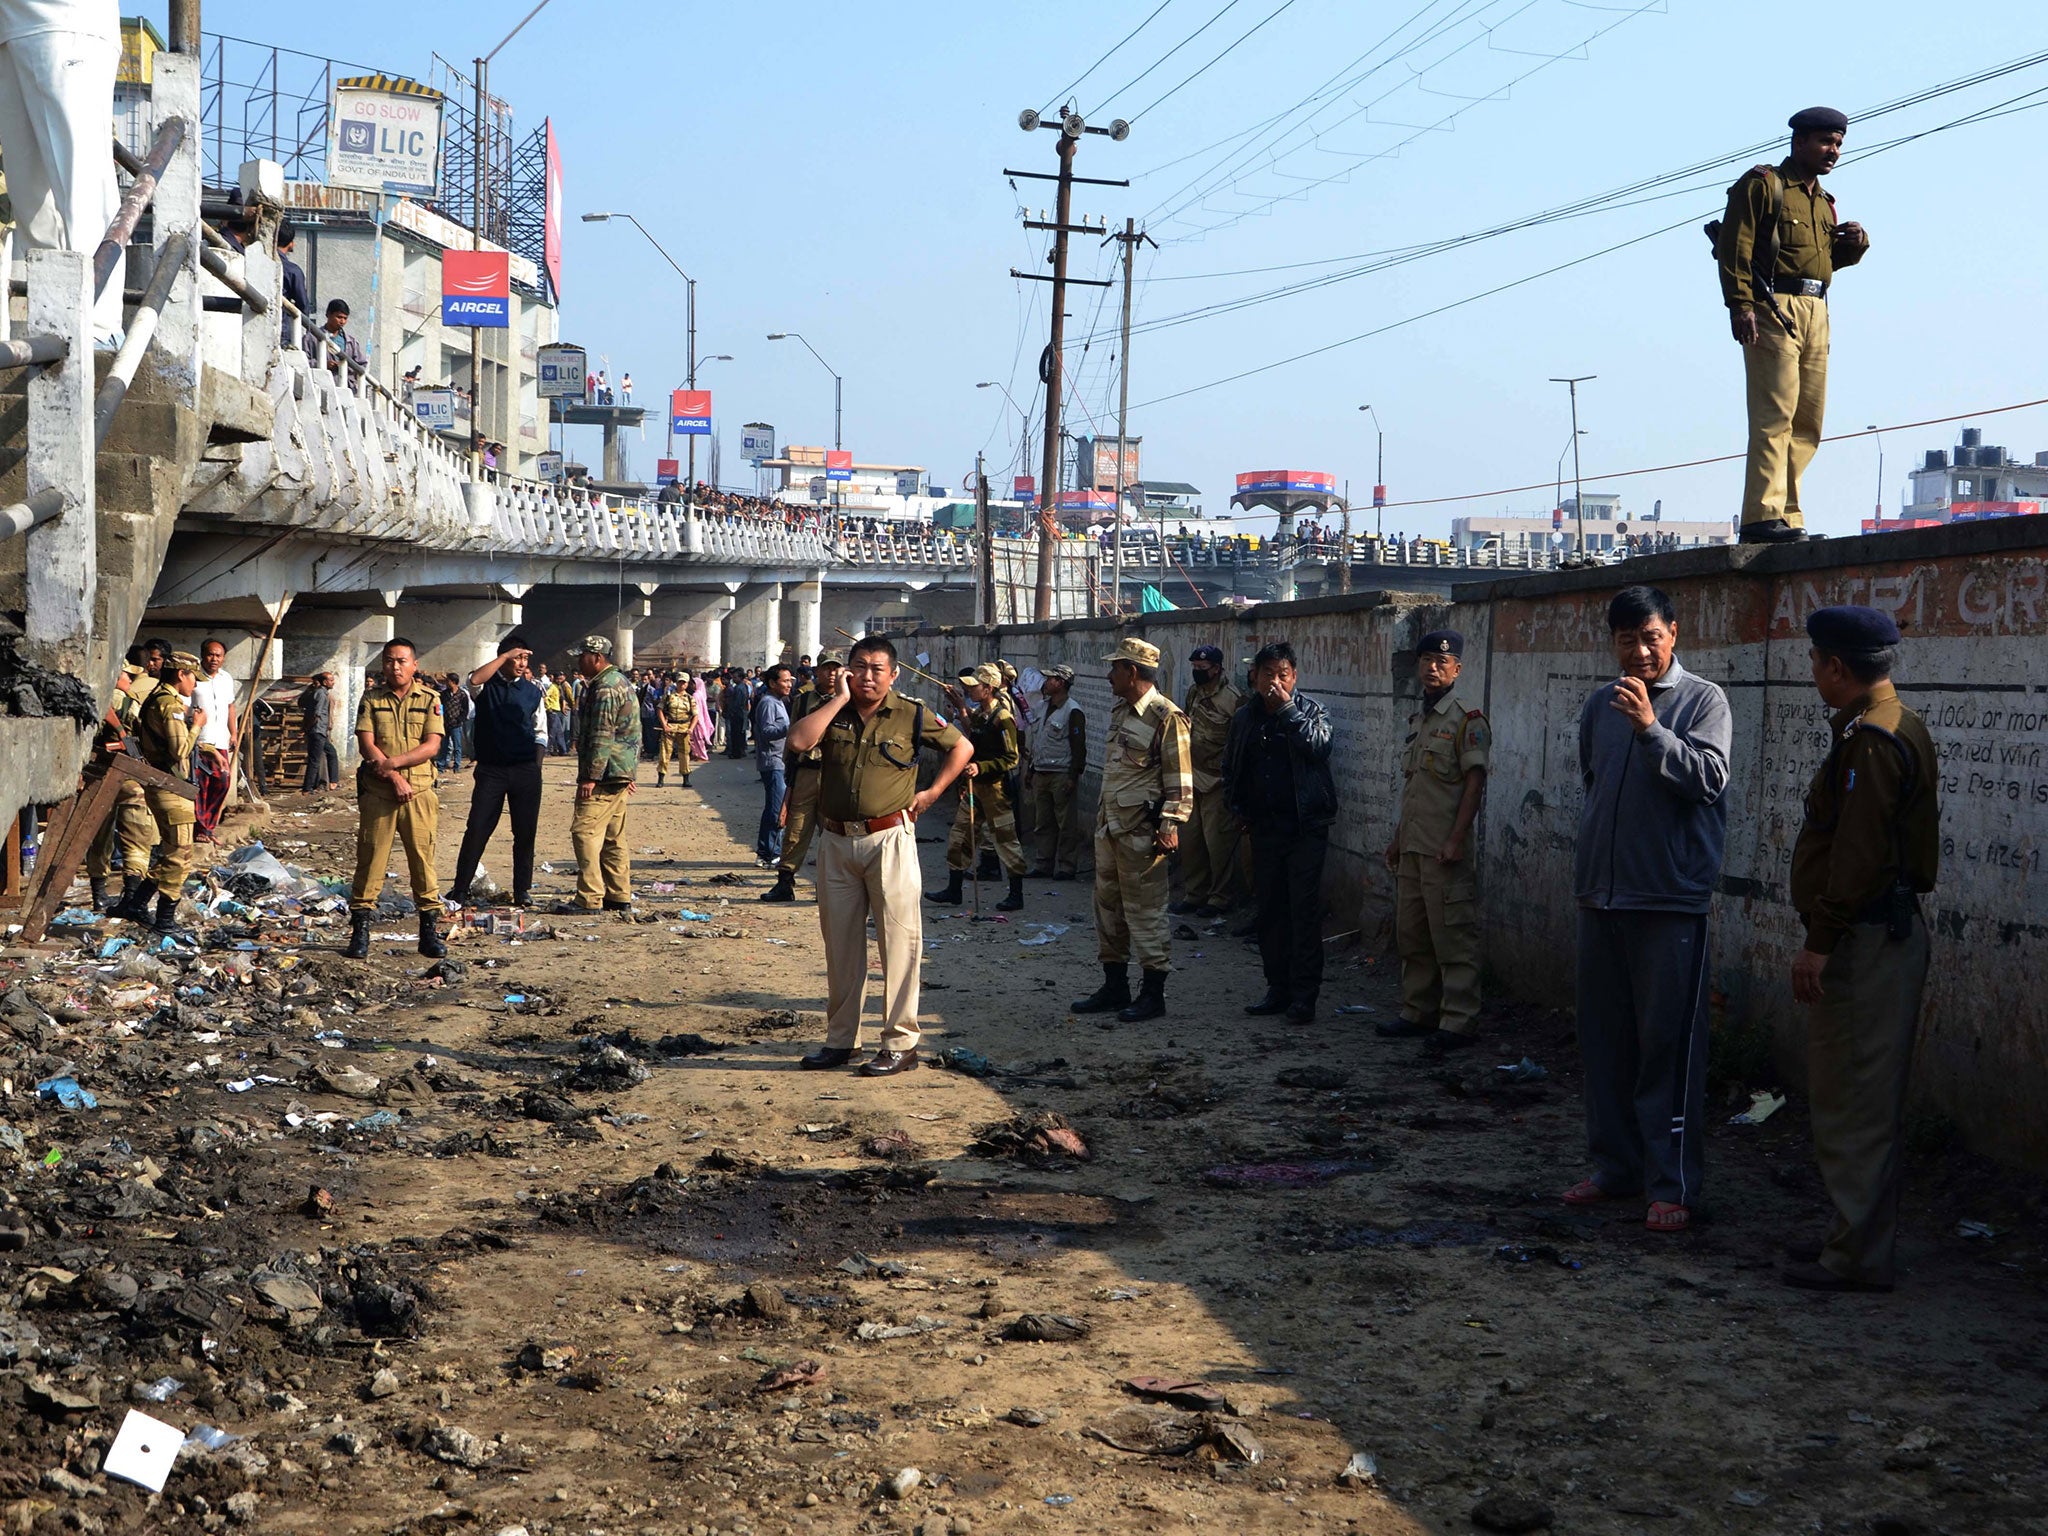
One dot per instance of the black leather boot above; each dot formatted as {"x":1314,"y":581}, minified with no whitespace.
{"x":950,"y":896}
{"x":1151,"y":1000}
{"x":431,"y":944}
{"x":166,"y":917}
{"x":134,"y":902}
{"x":1114,"y":992}
{"x":358,"y":936}
{"x":784,"y":888}
{"x":1014,"y":902}
{"x":98,"y":886}
{"x":989,"y":868}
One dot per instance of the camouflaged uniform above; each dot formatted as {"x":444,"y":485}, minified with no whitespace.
{"x":993,"y":730}
{"x":607,"y":760}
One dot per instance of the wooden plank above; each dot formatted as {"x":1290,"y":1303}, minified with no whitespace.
{"x":62,"y":855}
{"x":10,"y":867}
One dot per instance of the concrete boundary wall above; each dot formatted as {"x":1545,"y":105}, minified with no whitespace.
{"x":1973,"y":603}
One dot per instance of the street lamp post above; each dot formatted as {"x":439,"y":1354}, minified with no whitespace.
{"x":1878,"y":513}
{"x":1578,"y":487}
{"x":478,"y":175}
{"x":1023,"y":418}
{"x":838,"y":394}
{"x":690,"y":290}
{"x":1379,"y":478}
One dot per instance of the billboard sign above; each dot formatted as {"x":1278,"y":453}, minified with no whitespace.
{"x":563,"y":369}
{"x":1024,"y":488}
{"x":818,"y":492}
{"x":906,"y":482}
{"x":384,"y":135}
{"x":838,"y":464}
{"x":757,"y":442}
{"x":667,"y":472}
{"x":435,"y":408}
{"x":551,"y":217}
{"x":1105,"y":463}
{"x":550,"y":468}
{"x":1313,"y":481}
{"x":1087,"y":501}
{"x":476,"y":288}
{"x":689,"y":412}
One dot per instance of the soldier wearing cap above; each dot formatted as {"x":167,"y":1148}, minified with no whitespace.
{"x":399,"y":729}
{"x":131,"y":826}
{"x":1208,"y":858}
{"x":1436,"y":885}
{"x":985,"y":806}
{"x":1779,"y":248}
{"x":800,"y":806}
{"x":1056,"y":755}
{"x":675,"y":717}
{"x":868,"y":805}
{"x":606,"y":766}
{"x":1866,"y":852}
{"x":165,"y":741}
{"x":1148,"y":792}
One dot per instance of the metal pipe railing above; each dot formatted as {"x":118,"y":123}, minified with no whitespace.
{"x":137,"y":197}
{"x":32,"y":351}
{"x":141,"y":331}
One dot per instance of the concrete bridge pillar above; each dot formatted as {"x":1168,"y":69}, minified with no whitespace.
{"x":344,"y":641}
{"x":622,"y":627}
{"x":753,"y":630}
{"x":686,"y":627}
{"x":803,"y":622}
{"x":457,"y":634}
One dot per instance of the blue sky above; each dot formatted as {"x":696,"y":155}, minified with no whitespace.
{"x":837,"y":170}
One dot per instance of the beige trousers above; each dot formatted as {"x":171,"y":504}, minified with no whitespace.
{"x":413,"y":822}
{"x":1208,"y":851}
{"x":1056,"y":827}
{"x":1859,"y":1053}
{"x":1436,"y":930}
{"x":597,"y":831}
{"x":1787,"y":379}
{"x":132,"y":827}
{"x":1131,"y":888}
{"x":859,"y":876}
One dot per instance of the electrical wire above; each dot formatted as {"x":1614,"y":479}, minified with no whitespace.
{"x":1191,"y":79}
{"x":1061,"y":95}
{"x":1229,"y":6}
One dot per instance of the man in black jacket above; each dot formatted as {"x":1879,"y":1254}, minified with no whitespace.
{"x":1276,"y":782}
{"x":508,"y":754}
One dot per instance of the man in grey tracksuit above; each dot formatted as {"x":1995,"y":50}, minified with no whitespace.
{"x":1653,"y":749}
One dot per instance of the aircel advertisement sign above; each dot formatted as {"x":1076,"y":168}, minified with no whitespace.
{"x":476,"y":288}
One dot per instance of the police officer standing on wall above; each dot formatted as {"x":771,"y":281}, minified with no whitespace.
{"x":985,"y":807}
{"x":1779,"y":248}
{"x":800,"y":805}
{"x":868,"y":805}
{"x":606,"y":766}
{"x":166,"y":741}
{"x":399,"y":729}
{"x":1208,"y":859}
{"x":1148,"y":791}
{"x":1867,"y":851}
{"x":1436,"y":884}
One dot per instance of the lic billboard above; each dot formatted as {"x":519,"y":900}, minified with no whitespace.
{"x":476,"y":289}
{"x":384,"y":135}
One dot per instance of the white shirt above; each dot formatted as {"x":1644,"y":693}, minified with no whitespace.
{"x":540,"y":721}
{"x":214,"y":694}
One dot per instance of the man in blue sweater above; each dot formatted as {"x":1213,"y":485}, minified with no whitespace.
{"x":1653,"y":749}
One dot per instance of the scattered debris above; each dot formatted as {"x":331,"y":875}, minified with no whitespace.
{"x":1041,"y":1139}
{"x":804,"y":1373}
{"x":1762,"y":1105}
{"x":1361,"y":1471}
{"x":1046,"y":1328}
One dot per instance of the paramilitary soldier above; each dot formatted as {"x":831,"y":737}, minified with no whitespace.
{"x":131,"y":825}
{"x":399,"y":729}
{"x":800,"y":805}
{"x":1436,"y":919}
{"x":1867,"y":851}
{"x":868,"y":805}
{"x":606,"y":767}
{"x":985,"y":807}
{"x":1148,"y":792}
{"x":166,"y":742}
{"x":1778,"y":249}
{"x":1208,"y":859}
{"x":676,"y":715}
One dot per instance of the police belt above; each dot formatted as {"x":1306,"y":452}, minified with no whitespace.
{"x":1801,"y":287}
{"x":863,"y":828}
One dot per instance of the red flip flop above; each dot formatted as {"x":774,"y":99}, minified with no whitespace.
{"x":1664,"y":1216}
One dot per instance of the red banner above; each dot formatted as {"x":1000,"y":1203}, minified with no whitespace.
{"x":551,"y":238}
{"x":838,"y":464}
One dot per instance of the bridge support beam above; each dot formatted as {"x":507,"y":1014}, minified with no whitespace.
{"x":344,"y":641}
{"x":457,"y":634}
{"x":753,"y":630}
{"x":686,"y":627}
{"x":803,"y":618}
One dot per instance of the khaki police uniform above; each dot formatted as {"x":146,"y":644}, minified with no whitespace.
{"x":1208,"y":850}
{"x":993,"y":730}
{"x":1436,"y":907}
{"x":867,"y":863}
{"x":397,"y":723}
{"x":800,"y":822}
{"x":166,"y":742}
{"x":1146,"y":780}
{"x":1872,"y":826}
{"x":1786,"y":372}
{"x":1058,"y":756}
{"x":131,"y":827}
{"x":678,"y":716}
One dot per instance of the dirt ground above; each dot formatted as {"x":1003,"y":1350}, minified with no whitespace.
{"x":551,"y":1296}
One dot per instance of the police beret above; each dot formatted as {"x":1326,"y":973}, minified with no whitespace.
{"x":1207,"y":653}
{"x":1441,"y":642}
{"x":596,"y":645}
{"x":1818,"y":120}
{"x":1850,"y":628}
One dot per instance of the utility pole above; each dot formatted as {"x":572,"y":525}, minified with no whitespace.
{"x":1578,"y":487}
{"x":184,"y":19}
{"x":984,"y":552}
{"x":479,"y":174}
{"x":1070,"y":127}
{"x":690,"y":485}
{"x":1130,"y":239}
{"x":1344,"y":543}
